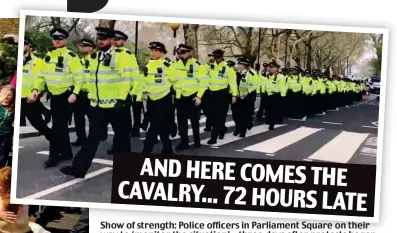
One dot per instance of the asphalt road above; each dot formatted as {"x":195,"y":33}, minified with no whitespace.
{"x":348,"y":135}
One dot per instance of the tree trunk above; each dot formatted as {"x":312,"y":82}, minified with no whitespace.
{"x":56,"y":22}
{"x":191,"y":37}
{"x":107,"y":23}
{"x":309,"y":56}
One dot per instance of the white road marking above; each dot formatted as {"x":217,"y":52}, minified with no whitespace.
{"x":368,"y":126}
{"x":103,"y":161}
{"x":341,"y":148}
{"x":294,"y":119}
{"x":275,"y":144}
{"x":229,"y":137}
{"x":45,"y":152}
{"x":334,"y":110}
{"x":68,"y":184}
{"x":20,"y":147}
{"x":331,"y":123}
{"x":240,"y":150}
{"x":268,"y":154}
{"x":214,"y":147}
{"x":307,"y":160}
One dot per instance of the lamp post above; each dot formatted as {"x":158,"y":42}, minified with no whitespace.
{"x":347,"y":66}
{"x":136,"y":39}
{"x":258,"y":68}
{"x":174,"y":27}
{"x":287,"y":35}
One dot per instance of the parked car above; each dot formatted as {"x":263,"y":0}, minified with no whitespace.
{"x":374,"y":85}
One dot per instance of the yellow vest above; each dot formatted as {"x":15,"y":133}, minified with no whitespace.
{"x":221,"y":77}
{"x":30,"y":71}
{"x":109,"y":79}
{"x":61,"y":71}
{"x":294,"y":83}
{"x":249,"y":82}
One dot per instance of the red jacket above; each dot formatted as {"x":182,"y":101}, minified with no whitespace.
{"x":14,"y":80}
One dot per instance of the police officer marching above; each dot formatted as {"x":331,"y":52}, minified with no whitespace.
{"x":156,"y":82}
{"x":222,"y":78}
{"x":32,"y":66}
{"x":109,"y":84}
{"x":294,"y":96}
{"x":247,"y":82}
{"x":82,"y":105}
{"x":62,"y":72}
{"x":120,"y":40}
{"x":191,"y":83}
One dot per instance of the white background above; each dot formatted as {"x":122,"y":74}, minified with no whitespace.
{"x":378,"y":13}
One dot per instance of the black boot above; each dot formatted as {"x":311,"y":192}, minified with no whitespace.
{"x":51,"y":162}
{"x":70,"y":171}
{"x":271,"y":126}
{"x":212,"y":141}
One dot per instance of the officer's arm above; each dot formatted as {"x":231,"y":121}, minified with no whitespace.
{"x":231,"y":74}
{"x":135,"y":74}
{"x":141,"y":85}
{"x":124,"y":68}
{"x":39,"y":80}
{"x":202,"y":77}
{"x":77,"y":72}
{"x":254,"y":83}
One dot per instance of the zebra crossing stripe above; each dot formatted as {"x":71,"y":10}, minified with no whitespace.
{"x":45,"y":152}
{"x":341,"y":148}
{"x":229,"y":137}
{"x":275,"y":144}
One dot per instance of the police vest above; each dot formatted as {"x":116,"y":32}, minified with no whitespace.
{"x":30,"y":72}
{"x":109,"y":79}
{"x":61,"y":71}
{"x":248,"y":82}
{"x":190,"y":77}
{"x":294,"y":83}
{"x":221,"y":77}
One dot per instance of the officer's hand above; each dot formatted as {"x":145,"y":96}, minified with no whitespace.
{"x":72,"y":98}
{"x":234,"y":99}
{"x":33,"y":97}
{"x":198,"y":101}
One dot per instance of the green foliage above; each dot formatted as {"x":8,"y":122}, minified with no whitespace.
{"x":143,"y":53}
{"x":42,"y":41}
{"x":8,"y":60}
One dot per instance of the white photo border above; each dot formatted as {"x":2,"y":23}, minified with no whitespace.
{"x":156,"y":19}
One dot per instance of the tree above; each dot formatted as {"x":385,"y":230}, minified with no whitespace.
{"x":107,"y":23}
{"x":376,"y":62}
{"x":190,"y":33}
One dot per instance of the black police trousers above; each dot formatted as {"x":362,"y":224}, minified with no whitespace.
{"x":206,"y":107}
{"x":161,"y":119}
{"x":242,"y":114}
{"x":80,"y":110}
{"x":137,"y":107}
{"x":99,"y":120}
{"x":187,"y":109}
{"x":260,"y":112}
{"x":60,"y":140}
{"x":220,"y":106}
{"x":274,"y":109}
{"x":295,"y":105}
{"x":33,"y":114}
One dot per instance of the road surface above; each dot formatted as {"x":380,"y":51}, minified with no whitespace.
{"x":348,"y":135}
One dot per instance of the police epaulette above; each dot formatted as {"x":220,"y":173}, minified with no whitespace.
{"x":198,"y":63}
{"x":93,"y":55}
{"x":251,"y":72}
{"x":47,"y":58}
{"x":167,"y":59}
{"x":72,"y":54}
{"x":118,"y":50}
{"x":167,"y":64}
{"x":128,"y":52}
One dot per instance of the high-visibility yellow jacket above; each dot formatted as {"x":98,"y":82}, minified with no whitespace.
{"x":248,"y":83}
{"x":110,"y":79}
{"x":30,"y":71}
{"x":190,"y":77}
{"x":322,"y":86}
{"x":307,"y":85}
{"x":156,"y":79}
{"x":61,"y":71}
{"x":133,"y":69}
{"x":221,"y":77}
{"x":294,"y":83}
{"x":86,"y":62}
{"x":275,"y":83}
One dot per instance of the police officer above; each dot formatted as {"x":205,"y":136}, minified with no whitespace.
{"x":109,"y":85}
{"x":31,"y":69}
{"x":62,"y":72}
{"x":274,"y":89}
{"x":222,"y":78}
{"x":206,"y":104}
{"x":156,"y":82}
{"x":294,"y":96}
{"x":120,"y":40}
{"x":82,"y":105}
{"x":247,"y":82}
{"x":263,"y":95}
{"x":189,"y":89}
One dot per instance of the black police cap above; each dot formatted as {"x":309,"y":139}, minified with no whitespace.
{"x":59,"y":33}
{"x":184,"y":47}
{"x":120,"y":34}
{"x":274,"y":64}
{"x":105,"y":32}
{"x":217,"y":53}
{"x":244,"y":61}
{"x":157,"y":45}
{"x":87,"y":42}
{"x":231,"y":63}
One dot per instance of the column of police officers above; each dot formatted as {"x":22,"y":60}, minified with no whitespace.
{"x":105,"y":84}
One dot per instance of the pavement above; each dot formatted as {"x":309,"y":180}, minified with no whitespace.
{"x":346,"y":135}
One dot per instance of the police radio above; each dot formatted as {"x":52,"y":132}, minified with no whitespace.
{"x":190,"y":72}
{"x":60,"y":62}
{"x":158,"y":75}
{"x":212,"y":66}
{"x":145,"y":71}
{"x":87,"y":64}
{"x":106,"y":60}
